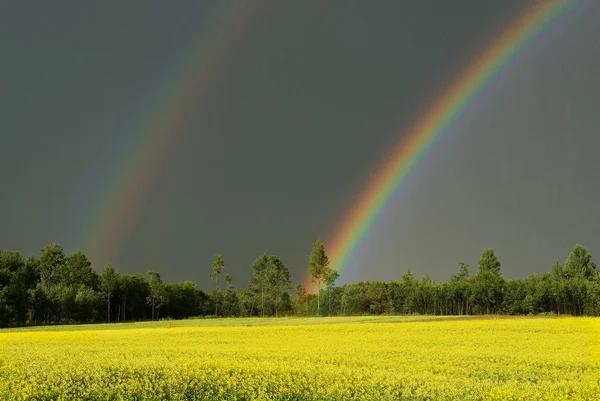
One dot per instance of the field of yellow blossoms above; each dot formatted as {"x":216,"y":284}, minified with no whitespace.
{"x":388,"y":358}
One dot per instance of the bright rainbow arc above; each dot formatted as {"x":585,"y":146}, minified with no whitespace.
{"x":357,"y":223}
{"x":160,"y":130}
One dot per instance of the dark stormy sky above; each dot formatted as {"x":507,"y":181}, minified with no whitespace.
{"x":290,"y":127}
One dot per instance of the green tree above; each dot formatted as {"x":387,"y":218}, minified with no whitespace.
{"x":285,"y":305}
{"x":17,"y":276}
{"x":515,"y":293}
{"x":246,"y":301}
{"x":408,"y":289}
{"x":77,"y":270}
{"x":259,"y":279}
{"x":135,"y":291}
{"x":231,"y":301}
{"x":330,"y":280}
{"x":50,"y":264}
{"x":109,"y":280}
{"x":488,"y":262}
{"x":579,"y":264}
{"x":278,"y":279}
{"x":319,"y":268}
{"x":215,"y":275}
{"x":488,"y":284}
{"x":557,"y":271}
{"x":11,"y":261}
{"x":88,"y":305}
{"x":300,"y":304}
{"x":157,"y":295}
{"x":186,"y":299}
{"x":459,"y":288}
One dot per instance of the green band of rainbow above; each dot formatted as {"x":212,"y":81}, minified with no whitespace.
{"x":357,"y":223}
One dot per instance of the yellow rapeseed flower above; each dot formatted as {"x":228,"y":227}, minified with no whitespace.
{"x":490,"y":359}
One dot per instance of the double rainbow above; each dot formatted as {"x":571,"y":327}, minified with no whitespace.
{"x":157,"y":131}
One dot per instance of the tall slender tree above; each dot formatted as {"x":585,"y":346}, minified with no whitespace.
{"x":488,"y":284}
{"x":231,"y":300}
{"x":278,"y":280}
{"x":459,"y":288}
{"x":300,"y":301}
{"x":319,"y":268}
{"x":157,"y":297}
{"x":259,"y":279}
{"x":215,"y":275}
{"x":109,"y":280}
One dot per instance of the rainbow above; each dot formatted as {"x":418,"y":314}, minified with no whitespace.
{"x":159,"y":130}
{"x":355,"y":226}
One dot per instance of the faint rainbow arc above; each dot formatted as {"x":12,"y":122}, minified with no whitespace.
{"x":158,"y":130}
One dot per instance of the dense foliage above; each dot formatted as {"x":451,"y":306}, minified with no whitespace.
{"x":59,"y":288}
{"x":379,"y":358}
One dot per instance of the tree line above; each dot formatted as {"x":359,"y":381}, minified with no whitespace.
{"x":55,"y":288}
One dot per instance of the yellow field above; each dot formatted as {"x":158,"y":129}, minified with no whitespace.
{"x":389,"y":358}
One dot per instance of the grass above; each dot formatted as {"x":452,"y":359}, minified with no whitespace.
{"x":248,"y":322}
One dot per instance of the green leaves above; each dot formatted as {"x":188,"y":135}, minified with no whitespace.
{"x":158,"y":295}
{"x":319,"y":269}
{"x":488,"y":262}
{"x":50,"y":262}
{"x":109,"y":280}
{"x":318,"y":262}
{"x":217,"y":267}
{"x":579,"y":264}
{"x":270,"y":278}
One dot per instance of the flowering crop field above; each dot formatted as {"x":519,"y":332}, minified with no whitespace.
{"x":387,"y":358}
